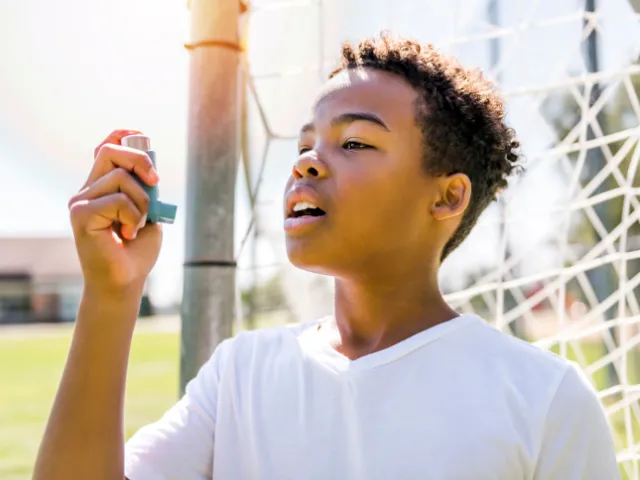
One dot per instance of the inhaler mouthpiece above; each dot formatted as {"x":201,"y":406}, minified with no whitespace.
{"x":139,"y":142}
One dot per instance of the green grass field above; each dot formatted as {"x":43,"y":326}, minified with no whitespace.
{"x":32,"y":365}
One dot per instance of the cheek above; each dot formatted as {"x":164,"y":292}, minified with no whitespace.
{"x":375,"y":200}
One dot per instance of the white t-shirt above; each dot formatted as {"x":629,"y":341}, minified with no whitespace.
{"x":459,"y":401}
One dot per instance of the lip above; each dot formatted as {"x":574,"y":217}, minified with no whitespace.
{"x":301,"y":193}
{"x":297,"y":225}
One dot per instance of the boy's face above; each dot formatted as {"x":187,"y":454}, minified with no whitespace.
{"x":360,"y":162}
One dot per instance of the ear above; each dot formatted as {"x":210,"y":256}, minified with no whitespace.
{"x":455,"y":193}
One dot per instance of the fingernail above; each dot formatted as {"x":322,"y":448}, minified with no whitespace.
{"x":153,"y":176}
{"x":134,"y":235}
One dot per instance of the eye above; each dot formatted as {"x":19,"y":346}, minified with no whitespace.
{"x":351,"y":145}
{"x":303,"y":149}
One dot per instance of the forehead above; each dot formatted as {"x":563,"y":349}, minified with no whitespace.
{"x":365,"y":90}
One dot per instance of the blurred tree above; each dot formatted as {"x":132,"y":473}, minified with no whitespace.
{"x":622,"y":116}
{"x":563,"y":113}
{"x":263,"y":298}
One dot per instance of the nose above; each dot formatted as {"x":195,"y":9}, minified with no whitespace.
{"x":309,"y":165}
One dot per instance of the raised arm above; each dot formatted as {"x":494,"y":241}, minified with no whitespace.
{"x":117,"y":250}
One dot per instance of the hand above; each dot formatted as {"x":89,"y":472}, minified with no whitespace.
{"x":117,"y":249}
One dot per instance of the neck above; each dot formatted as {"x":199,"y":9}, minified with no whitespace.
{"x":375,"y":312}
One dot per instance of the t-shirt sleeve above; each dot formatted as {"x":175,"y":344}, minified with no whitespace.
{"x":180,"y":444}
{"x":577,"y":443}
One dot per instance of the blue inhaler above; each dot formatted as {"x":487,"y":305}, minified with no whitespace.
{"x":158,"y":212}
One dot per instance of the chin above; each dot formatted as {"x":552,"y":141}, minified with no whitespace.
{"x":304,"y":255}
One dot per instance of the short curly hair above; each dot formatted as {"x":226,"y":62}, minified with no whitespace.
{"x":459,"y":113}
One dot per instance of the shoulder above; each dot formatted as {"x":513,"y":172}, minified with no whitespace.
{"x":531,"y":369}
{"x":554,"y":393}
{"x":508,"y":347}
{"x":254,"y":347}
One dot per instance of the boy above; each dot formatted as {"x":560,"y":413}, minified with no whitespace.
{"x":404,"y":150}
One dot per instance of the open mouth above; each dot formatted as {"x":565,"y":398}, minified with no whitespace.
{"x":302,"y":209}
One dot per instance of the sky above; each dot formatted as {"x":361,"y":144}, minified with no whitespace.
{"x":73,"y":70}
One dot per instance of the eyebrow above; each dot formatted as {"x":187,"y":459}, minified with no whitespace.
{"x":350,"y":118}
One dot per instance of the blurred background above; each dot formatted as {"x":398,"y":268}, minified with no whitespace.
{"x":556,"y":261}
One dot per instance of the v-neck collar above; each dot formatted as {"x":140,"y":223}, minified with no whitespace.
{"x":325,"y":354}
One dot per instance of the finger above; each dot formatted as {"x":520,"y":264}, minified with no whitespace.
{"x":90,"y":216}
{"x":115,"y":138}
{"x":112,"y":156}
{"x":150,"y":229}
{"x":102,"y":214}
{"x":118,"y":180}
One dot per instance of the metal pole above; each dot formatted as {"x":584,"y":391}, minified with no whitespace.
{"x":250,"y":317}
{"x":601,"y":278}
{"x":213,"y":151}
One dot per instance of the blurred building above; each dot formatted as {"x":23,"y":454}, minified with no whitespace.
{"x":41,"y":280}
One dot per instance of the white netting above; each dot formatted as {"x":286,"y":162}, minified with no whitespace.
{"x":555,"y":261}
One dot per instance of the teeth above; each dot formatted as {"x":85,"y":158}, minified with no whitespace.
{"x":303,"y":206}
